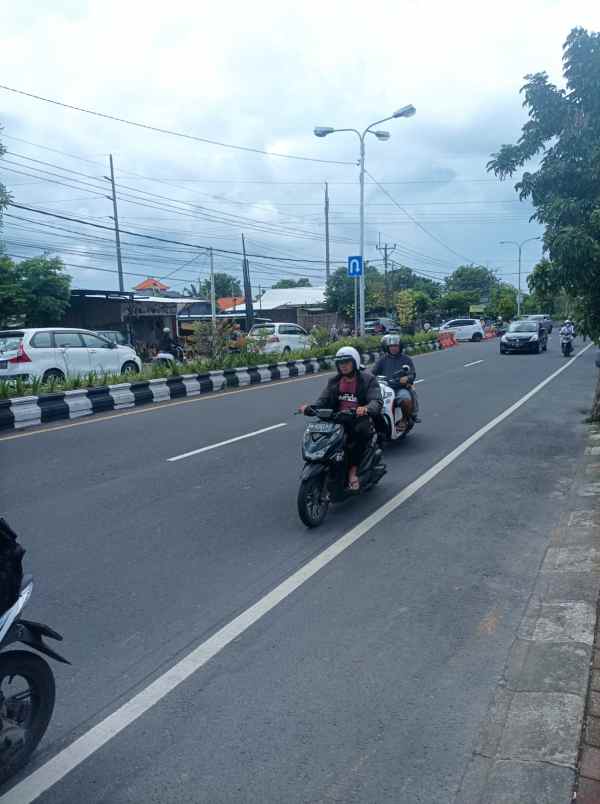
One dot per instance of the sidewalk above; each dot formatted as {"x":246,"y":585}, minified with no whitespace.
{"x":529,"y":748}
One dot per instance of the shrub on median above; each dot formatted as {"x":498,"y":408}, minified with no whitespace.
{"x":16,"y":388}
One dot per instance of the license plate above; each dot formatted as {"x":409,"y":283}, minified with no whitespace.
{"x":322,"y":427}
{"x":3,"y":364}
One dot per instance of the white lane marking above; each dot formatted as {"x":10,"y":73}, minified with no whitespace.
{"x":73,"y":755}
{"x":224,"y":443}
{"x":416,"y":382}
{"x":474,"y":363}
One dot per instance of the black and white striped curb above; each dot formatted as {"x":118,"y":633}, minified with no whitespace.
{"x":28,"y":411}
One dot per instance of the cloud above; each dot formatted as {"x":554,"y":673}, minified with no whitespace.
{"x":262,"y":75}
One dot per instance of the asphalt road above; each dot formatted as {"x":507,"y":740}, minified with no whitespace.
{"x":368,"y":683}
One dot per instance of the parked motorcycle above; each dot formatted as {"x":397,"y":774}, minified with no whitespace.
{"x":393,"y":425}
{"x":325,"y":469}
{"x":26,"y":685}
{"x":566,"y":343}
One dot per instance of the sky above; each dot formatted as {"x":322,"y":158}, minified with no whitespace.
{"x":261,"y":76}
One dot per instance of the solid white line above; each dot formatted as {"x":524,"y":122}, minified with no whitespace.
{"x":73,"y":755}
{"x":474,"y":363}
{"x":224,"y":443}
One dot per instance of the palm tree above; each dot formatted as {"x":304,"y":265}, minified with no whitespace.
{"x":192,"y":291}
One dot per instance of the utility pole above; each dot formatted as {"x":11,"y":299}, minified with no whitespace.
{"x":247,"y":288}
{"x":386,"y":248}
{"x":213,"y":301}
{"x":113,"y":198}
{"x":327,"y":232}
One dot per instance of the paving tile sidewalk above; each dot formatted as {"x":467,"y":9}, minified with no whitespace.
{"x":541,"y":740}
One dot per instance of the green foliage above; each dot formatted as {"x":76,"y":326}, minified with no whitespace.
{"x":456,"y":303}
{"x":33,"y":292}
{"x":406,"y":307}
{"x":563,"y":133}
{"x":214,"y":342}
{"x":292,"y":283}
{"x":503,"y":302}
{"x":472,"y":279}
{"x":236,"y":360}
{"x":225,"y":285}
{"x":4,"y":196}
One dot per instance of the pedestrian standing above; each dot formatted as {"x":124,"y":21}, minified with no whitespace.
{"x":333,"y":333}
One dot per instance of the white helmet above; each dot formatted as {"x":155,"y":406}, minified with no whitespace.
{"x":348,"y":353}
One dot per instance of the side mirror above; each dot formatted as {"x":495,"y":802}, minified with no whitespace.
{"x":113,"y":345}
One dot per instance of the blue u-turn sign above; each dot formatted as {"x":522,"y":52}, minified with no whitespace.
{"x":355,"y":266}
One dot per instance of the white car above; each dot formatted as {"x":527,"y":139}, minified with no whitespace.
{"x":280,"y":337}
{"x":464,"y":329}
{"x":60,"y":352}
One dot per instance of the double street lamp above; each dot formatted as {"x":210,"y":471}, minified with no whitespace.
{"x":520,"y":248}
{"x":324,"y":131}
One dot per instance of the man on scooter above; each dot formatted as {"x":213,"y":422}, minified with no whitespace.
{"x":353,"y":388}
{"x":392,"y":361}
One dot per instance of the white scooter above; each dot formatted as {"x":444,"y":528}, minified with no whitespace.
{"x":395,"y":426}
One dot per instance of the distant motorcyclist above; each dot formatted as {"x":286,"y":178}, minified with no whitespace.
{"x":568,"y":328}
{"x":167,"y":342}
{"x":353,"y":388}
{"x":394,"y":360}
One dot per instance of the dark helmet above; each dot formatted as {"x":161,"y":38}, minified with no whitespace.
{"x":391,"y":340}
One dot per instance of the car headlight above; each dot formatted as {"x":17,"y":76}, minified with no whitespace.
{"x":504,"y":338}
{"x":533,"y":338}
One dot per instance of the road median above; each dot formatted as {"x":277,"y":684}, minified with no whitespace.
{"x":18,"y":413}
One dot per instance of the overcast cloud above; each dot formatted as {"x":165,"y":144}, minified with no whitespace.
{"x":262,"y":75}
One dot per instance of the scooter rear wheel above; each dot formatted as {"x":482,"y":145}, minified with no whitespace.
{"x":313,"y":502}
{"x":26,"y":704}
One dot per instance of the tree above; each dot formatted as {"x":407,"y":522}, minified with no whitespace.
{"x":193,"y":291}
{"x":456,"y":303}
{"x":563,"y":133}
{"x":4,"y":196}
{"x":225,"y":285}
{"x":34,"y":292}
{"x":292,"y":283}
{"x":406,"y":307}
{"x":339,"y":292}
{"x":475,"y":278}
{"x":503,"y":302}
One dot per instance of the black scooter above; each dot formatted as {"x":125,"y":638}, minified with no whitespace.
{"x":324,"y":450}
{"x":26,"y":681}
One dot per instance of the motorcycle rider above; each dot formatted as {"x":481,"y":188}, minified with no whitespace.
{"x":394,"y":360}
{"x":352,"y":388}
{"x":568,"y":328}
{"x":168,"y":343}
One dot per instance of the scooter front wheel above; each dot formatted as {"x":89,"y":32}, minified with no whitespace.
{"x":313,"y":502}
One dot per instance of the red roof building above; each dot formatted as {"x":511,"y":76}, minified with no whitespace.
{"x":229,"y":302}
{"x":152,"y":285}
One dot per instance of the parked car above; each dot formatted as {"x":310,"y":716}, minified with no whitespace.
{"x":114,"y":335}
{"x":279,"y":337}
{"x":464,"y":329}
{"x":381,"y":326}
{"x":542,"y":319}
{"x":524,"y":336}
{"x":59,"y":352}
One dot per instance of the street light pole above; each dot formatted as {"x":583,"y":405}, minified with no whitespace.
{"x":323,"y":131}
{"x":361,"y":279}
{"x":520,"y":250}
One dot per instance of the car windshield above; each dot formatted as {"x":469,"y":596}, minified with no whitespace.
{"x":9,"y":341}
{"x":523,"y":326}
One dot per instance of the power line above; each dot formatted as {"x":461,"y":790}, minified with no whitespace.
{"x":149,"y":127}
{"x":427,"y":232}
{"x":153,"y":237}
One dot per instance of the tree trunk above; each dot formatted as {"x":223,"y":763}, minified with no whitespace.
{"x":595,"y":411}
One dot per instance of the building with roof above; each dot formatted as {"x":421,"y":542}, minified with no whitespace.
{"x":151,"y":285}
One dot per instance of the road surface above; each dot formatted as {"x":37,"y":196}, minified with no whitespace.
{"x":370,"y":680}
